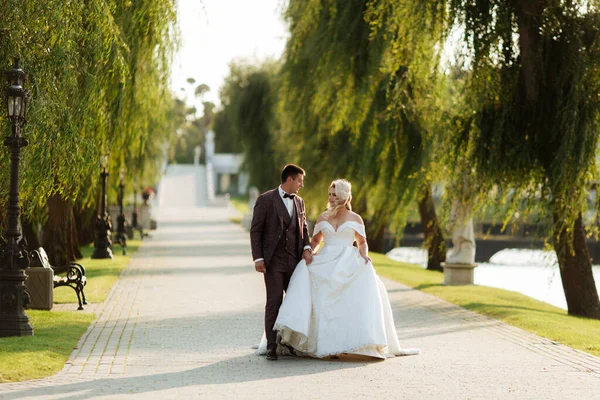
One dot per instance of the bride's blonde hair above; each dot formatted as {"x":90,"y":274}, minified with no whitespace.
{"x":343,"y":193}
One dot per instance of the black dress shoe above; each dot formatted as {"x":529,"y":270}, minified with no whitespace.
{"x":272,"y":354}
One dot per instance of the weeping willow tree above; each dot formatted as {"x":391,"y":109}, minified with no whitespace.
{"x":530,"y":121}
{"x":249,"y":96}
{"x":354,"y":105}
{"x":325,"y":70}
{"x":98,"y":76}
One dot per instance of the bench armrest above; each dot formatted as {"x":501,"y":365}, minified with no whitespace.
{"x":73,"y":272}
{"x":81,"y":267}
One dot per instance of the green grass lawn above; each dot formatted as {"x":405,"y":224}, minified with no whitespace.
{"x":236,"y":220}
{"x":100,"y":274}
{"x":511,"y":307}
{"x":57,"y":333}
{"x":240,"y":203}
{"x":45,"y":353}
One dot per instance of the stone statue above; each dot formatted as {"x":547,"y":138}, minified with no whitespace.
{"x":460,"y":259}
{"x":463,"y":237}
{"x":209,"y":146}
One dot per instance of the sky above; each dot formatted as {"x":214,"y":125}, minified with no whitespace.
{"x":214,"y":32}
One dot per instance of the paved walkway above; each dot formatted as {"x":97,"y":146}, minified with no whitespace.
{"x":180,"y":322}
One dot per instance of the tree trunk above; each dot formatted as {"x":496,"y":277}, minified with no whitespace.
{"x":59,"y":237}
{"x":29,"y":231}
{"x":3,"y":221}
{"x":375,"y":229}
{"x":529,"y":16}
{"x":376,"y":235}
{"x":85,"y":220}
{"x":576,"y":273}
{"x":434,"y":237}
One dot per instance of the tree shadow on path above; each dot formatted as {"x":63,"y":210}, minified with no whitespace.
{"x":241,"y":369}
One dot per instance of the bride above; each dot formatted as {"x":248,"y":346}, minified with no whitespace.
{"x":337,"y":304}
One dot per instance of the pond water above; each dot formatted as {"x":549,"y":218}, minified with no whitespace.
{"x":534,"y":273}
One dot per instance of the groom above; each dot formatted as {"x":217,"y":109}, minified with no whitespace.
{"x":279,"y":239}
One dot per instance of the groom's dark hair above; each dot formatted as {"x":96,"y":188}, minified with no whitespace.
{"x":291,"y":170}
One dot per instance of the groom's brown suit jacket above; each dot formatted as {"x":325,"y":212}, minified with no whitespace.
{"x":268,"y":225}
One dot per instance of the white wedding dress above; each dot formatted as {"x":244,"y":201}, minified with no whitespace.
{"x":337,"y":304}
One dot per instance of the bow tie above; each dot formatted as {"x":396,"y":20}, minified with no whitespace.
{"x":291,"y":196}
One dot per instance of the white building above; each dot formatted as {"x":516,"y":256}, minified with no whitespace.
{"x":223,"y":170}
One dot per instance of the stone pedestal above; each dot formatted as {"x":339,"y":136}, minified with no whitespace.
{"x":458,"y":274}
{"x":39,"y":285}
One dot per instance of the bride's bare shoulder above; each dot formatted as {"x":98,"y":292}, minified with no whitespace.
{"x":355,"y":217}
{"x":322,"y":217}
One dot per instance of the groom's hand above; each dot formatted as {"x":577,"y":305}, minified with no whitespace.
{"x":260,"y":266}
{"x":307,"y":256}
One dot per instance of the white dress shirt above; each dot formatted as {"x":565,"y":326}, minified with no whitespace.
{"x":288,"y":202}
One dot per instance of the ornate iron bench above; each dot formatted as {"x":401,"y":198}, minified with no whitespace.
{"x":72,"y":275}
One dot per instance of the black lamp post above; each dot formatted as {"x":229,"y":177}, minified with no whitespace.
{"x":103,"y":241}
{"x":121,"y":221}
{"x":13,"y":253}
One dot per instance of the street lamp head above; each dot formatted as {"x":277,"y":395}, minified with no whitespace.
{"x":122,"y":174}
{"x":104,"y":161}
{"x":16,"y":76}
{"x":16,"y":96}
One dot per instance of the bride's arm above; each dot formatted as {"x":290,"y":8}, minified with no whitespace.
{"x":316,"y":241}
{"x":361,"y":241}
{"x":363,"y":247}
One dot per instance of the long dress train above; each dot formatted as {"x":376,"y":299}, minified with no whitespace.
{"x":337,"y":304}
